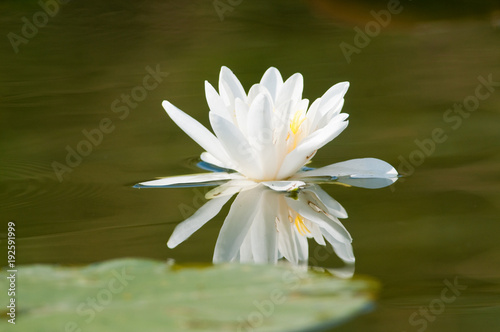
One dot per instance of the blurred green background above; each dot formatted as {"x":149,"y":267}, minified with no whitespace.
{"x":438,"y":223}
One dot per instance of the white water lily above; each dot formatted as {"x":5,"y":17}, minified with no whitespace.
{"x":268,"y":135}
{"x":262,"y":141}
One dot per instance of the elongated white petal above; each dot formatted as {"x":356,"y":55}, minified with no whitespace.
{"x":230,"y":188}
{"x":236,"y":146}
{"x":186,"y":228}
{"x":236,"y":225}
{"x":355,"y":168}
{"x":336,"y":229}
{"x":306,"y":149}
{"x":332,"y":97}
{"x":342,"y":249}
{"x":256,"y":90}
{"x":283,"y":185}
{"x":196,"y":131}
{"x":186,"y":179}
{"x":291,"y":89}
{"x":241,"y":113}
{"x":329,"y":203}
{"x":286,"y":238}
{"x":313,"y":116}
{"x":230,"y":87}
{"x":259,"y":124}
{"x":316,"y":233}
{"x":245,"y":252}
{"x":263,"y":230}
{"x":215,"y":102}
{"x":368,"y":183}
{"x":302,"y":247}
{"x":260,"y":134}
{"x":208,"y":158}
{"x":273,"y":81}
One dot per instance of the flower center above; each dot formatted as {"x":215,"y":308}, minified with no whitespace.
{"x":297,"y":120}
{"x":295,"y":123}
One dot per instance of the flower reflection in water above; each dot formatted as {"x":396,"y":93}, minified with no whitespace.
{"x":264,"y":225}
{"x":262,"y":141}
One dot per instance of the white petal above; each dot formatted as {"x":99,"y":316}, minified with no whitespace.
{"x":236,"y":225}
{"x":302,"y":247}
{"x":355,"y":168}
{"x":306,"y":149}
{"x":336,"y":229}
{"x":186,"y":179}
{"x":264,"y":235}
{"x":368,"y":183}
{"x":260,"y":135}
{"x":283,"y":185}
{"x":236,"y":145}
{"x":230,"y":87}
{"x":196,"y":131}
{"x":186,"y":228}
{"x":316,"y":233}
{"x":208,"y":158}
{"x":273,"y":81}
{"x":332,"y":97}
{"x":291,"y":89}
{"x":259,"y":130}
{"x":330,"y":204}
{"x":230,"y":188}
{"x":215,"y":102}
{"x":313,"y":115}
{"x":258,"y":89}
{"x":341,"y":248}
{"x":246,"y":254}
{"x":241,"y":112}
{"x":286,"y":237}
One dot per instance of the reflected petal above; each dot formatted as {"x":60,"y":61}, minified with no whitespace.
{"x":264,"y":237}
{"x":342,"y":249}
{"x":286,"y":238}
{"x":333,"y":225}
{"x":236,"y":225}
{"x":186,"y":228}
{"x":284,"y":185}
{"x":330,"y":205}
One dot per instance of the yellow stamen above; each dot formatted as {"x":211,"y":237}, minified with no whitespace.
{"x":297,"y":120}
{"x":301,"y":227}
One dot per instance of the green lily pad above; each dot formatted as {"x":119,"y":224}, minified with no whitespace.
{"x":144,"y":295}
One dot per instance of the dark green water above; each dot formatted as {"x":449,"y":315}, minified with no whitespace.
{"x":440,"y":223}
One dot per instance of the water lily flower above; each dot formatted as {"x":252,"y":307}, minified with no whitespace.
{"x":266,"y":137}
{"x":260,"y":146}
